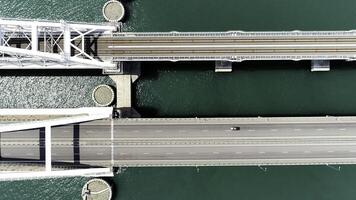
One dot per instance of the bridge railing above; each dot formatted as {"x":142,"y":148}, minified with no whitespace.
{"x":351,"y":33}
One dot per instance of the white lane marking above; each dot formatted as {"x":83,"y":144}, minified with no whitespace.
{"x":215,"y":152}
{"x":29,"y":154}
{"x":342,"y":129}
{"x":100,"y":153}
{"x":191,"y":153}
{"x":261,"y":152}
{"x":297,"y":129}
{"x":7,"y":154}
{"x":89,"y":131}
{"x":54,"y":154}
{"x":238,"y":152}
{"x":330,"y":151}
{"x":285,"y":152}
{"x":251,"y":130}
{"x":182,"y":131}
{"x":159,"y":131}
{"x":146,"y":153}
{"x":306,"y":151}
{"x":274,"y":130}
{"x":135,"y":131}
{"x":122,"y":153}
{"x":320,"y":129}
{"x":204,"y":131}
{"x":169,"y":153}
{"x":352,"y":151}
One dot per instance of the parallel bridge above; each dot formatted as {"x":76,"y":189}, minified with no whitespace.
{"x":92,"y":139}
{"x":42,"y":44}
{"x":234,"y":46}
{"x":188,"y":142}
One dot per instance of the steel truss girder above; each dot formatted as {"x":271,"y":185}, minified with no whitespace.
{"x":46,"y":44}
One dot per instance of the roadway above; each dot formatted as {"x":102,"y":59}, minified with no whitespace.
{"x":235,"y":46}
{"x":193,"y":142}
{"x":203,"y":46}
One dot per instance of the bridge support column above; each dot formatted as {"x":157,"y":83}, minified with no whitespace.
{"x":34,"y":38}
{"x":131,"y":71}
{"x":223,"y":66}
{"x":320,"y":65}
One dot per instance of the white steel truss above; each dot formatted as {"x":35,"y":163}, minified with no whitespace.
{"x":53,"y":45}
{"x":67,"y":116}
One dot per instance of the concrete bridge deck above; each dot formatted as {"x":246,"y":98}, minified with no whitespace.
{"x":230,"y":46}
{"x":193,"y":142}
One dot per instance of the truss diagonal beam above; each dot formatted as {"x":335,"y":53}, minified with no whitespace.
{"x":51,"y":42}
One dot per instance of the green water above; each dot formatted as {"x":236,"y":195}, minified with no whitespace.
{"x":192,"y":89}
{"x":245,"y":183}
{"x":253,"y":89}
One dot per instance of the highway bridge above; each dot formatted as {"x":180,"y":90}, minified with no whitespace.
{"x":190,"y":142}
{"x":90,"y":142}
{"x":52,"y":45}
{"x":234,"y":46}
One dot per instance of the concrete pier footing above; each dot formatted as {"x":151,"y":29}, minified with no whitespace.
{"x":113,"y":11}
{"x":320,"y":65}
{"x":131,"y":72}
{"x":223,"y":66}
{"x":97,"y":189}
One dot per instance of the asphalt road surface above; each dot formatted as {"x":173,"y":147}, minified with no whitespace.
{"x":187,"y":144}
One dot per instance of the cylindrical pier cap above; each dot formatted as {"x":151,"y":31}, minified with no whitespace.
{"x":103,"y":95}
{"x":113,"y":11}
{"x":96,"y":189}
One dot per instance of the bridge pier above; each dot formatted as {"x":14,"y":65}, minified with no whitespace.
{"x":320,"y":65}
{"x":223,"y":66}
{"x":130,"y":73}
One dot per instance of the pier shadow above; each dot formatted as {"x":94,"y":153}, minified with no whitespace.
{"x":42,"y":142}
{"x":128,"y":8}
{"x":76,"y":144}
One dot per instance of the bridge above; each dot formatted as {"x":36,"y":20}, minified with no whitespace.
{"x":144,"y":142}
{"x":43,"y":143}
{"x":52,"y":45}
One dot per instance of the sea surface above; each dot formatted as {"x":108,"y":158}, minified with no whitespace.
{"x":193,"y":89}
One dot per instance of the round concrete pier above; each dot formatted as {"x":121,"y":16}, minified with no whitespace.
{"x":113,"y":11}
{"x":103,"y":95}
{"x":96,"y":189}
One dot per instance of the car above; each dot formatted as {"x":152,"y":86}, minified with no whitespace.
{"x":235,"y":128}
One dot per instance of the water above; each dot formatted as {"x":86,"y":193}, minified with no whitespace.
{"x":253,"y":89}
{"x":172,"y":89}
{"x":216,"y":183}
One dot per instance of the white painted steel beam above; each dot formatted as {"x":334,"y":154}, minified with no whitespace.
{"x":68,"y":116}
{"x":50,"y":33}
{"x":48,"y":148}
{"x":76,"y":115}
{"x":34,"y":37}
{"x":92,"y":172}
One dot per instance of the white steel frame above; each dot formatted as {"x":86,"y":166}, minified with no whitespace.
{"x":60,"y":35}
{"x":78,"y":115}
